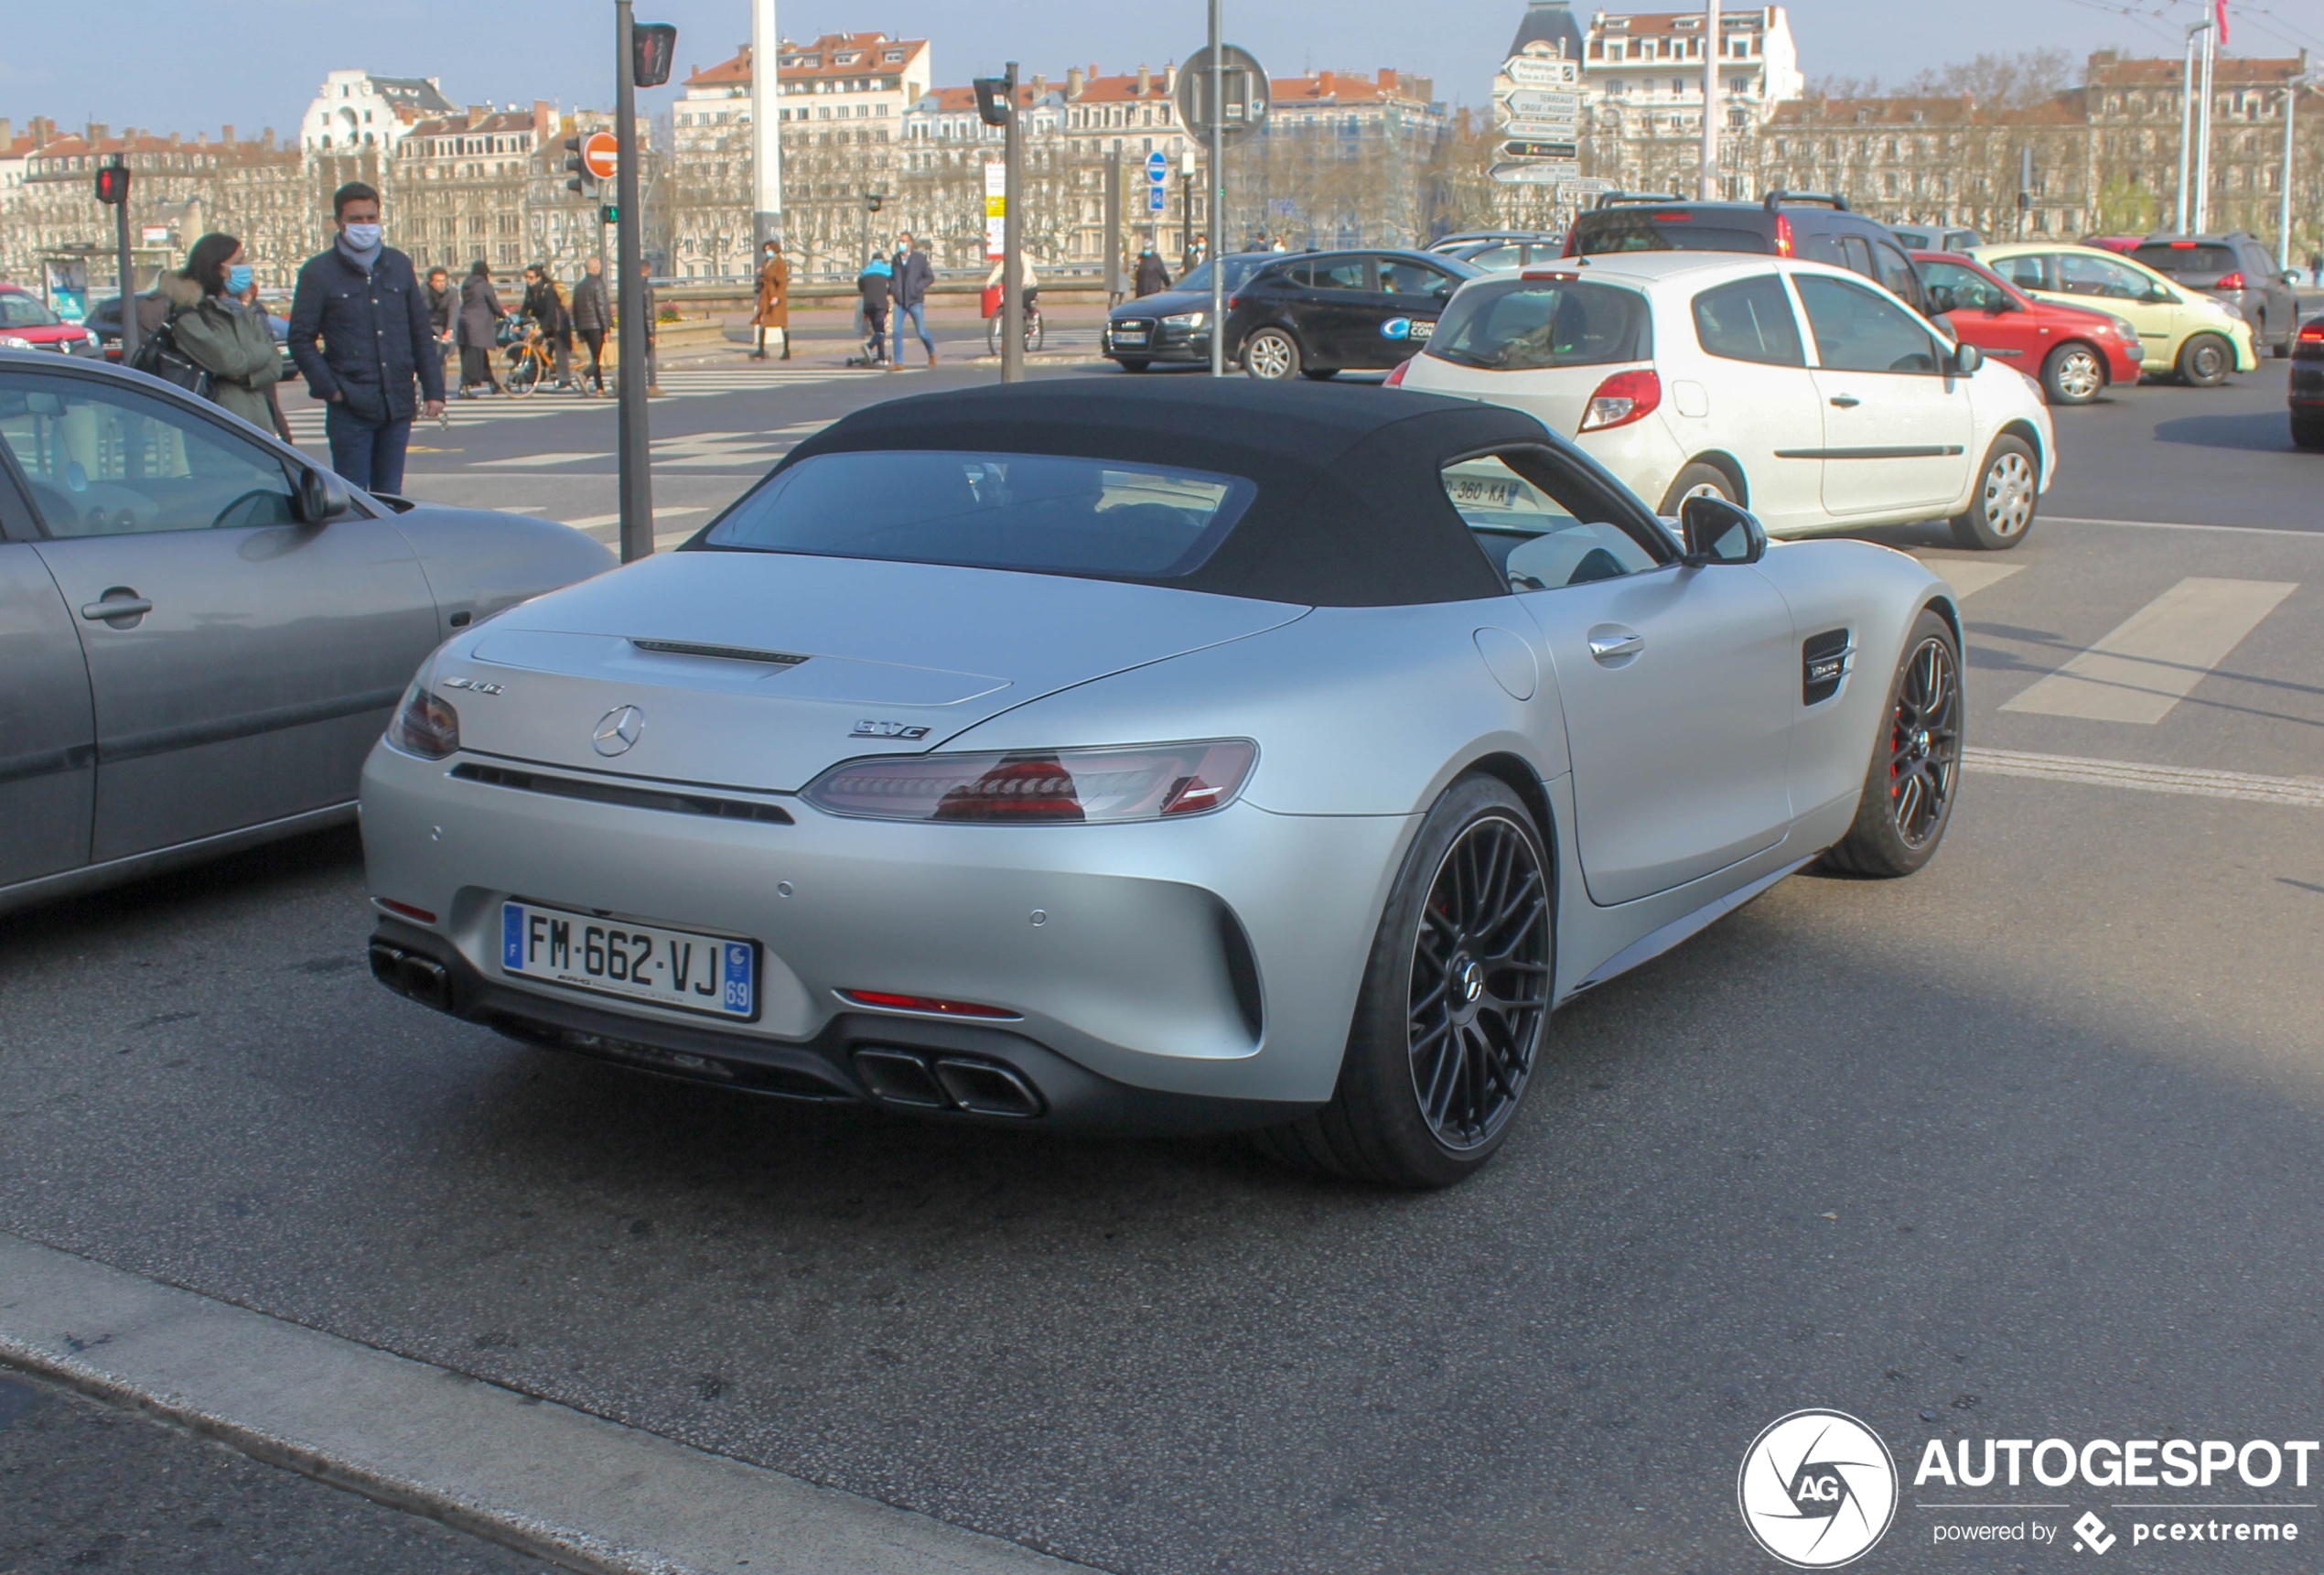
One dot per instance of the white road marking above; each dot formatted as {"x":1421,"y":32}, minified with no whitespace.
{"x":591,"y":522}
{"x":2175,"y":525}
{"x":1968,"y":576}
{"x":529,"y":1473}
{"x":2153,"y":659}
{"x":2302,"y":791}
{"x":563,"y":459}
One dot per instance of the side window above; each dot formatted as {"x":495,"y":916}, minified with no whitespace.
{"x":1750,"y":320}
{"x":104,"y":461}
{"x":1856,"y":256}
{"x":1894,"y":270}
{"x":2031,"y":273}
{"x":1499,"y":257}
{"x":1857,"y":330}
{"x":2091,"y":274}
{"x":1405,"y":278}
{"x":1821,"y":246}
{"x":1953,"y":288}
{"x":1541,"y":528}
{"x":1333,"y":274}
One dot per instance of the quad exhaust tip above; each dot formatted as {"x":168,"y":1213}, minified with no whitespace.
{"x":422,"y":979}
{"x":912,"y":1081}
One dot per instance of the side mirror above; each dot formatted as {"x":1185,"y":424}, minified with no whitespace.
{"x":321,"y":495}
{"x":1942,"y":300}
{"x":1967,"y":359}
{"x":1718,"y":532}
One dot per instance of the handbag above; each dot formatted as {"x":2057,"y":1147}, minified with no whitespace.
{"x":158,"y":356}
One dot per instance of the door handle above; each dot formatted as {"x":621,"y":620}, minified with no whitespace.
{"x":130,"y":605}
{"x":1845,"y":401}
{"x":1613,"y":646}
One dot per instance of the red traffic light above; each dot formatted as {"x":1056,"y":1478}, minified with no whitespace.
{"x":653,"y":45}
{"x":113,"y":184}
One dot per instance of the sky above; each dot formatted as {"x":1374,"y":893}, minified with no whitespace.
{"x":255,"y":63}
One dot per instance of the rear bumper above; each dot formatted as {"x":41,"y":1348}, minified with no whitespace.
{"x":2307,"y":385}
{"x":1213,"y":959}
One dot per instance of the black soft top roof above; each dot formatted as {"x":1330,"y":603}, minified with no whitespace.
{"x":1350,"y":510}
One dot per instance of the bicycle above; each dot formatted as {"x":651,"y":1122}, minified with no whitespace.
{"x":530,"y":361}
{"x":1033,"y":328}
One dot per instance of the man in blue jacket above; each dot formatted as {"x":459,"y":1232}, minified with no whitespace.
{"x":363,"y":301}
{"x":913,"y":275}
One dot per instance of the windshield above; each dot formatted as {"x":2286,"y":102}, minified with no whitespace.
{"x":25,"y":312}
{"x":1239,"y":269}
{"x":1650,"y":231}
{"x":1042,"y":512}
{"x":1522,"y":325}
{"x":2184,"y":259}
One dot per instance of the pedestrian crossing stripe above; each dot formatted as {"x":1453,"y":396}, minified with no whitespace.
{"x":2143,"y":667}
{"x":306,"y":424}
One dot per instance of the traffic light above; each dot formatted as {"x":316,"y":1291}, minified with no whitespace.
{"x":875,"y":198}
{"x":996,"y":99}
{"x":609,"y":214}
{"x":113,"y":183}
{"x":576,"y":167}
{"x":653,"y":45}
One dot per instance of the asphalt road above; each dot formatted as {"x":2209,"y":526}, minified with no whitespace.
{"x":2024,"y":1147}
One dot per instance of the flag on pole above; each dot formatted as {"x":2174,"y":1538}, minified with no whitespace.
{"x":2219,"y":13}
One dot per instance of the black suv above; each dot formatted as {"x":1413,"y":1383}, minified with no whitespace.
{"x":2235,"y":268}
{"x":1815,"y":226}
{"x":1318,"y":313}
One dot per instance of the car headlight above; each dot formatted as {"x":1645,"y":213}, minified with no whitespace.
{"x":14,"y":341}
{"x":1032,"y":787}
{"x":1184,"y":321}
{"x":423,"y":725}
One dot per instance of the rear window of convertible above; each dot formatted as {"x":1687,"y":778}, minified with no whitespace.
{"x":1522,"y":324}
{"x":1039,"y":513}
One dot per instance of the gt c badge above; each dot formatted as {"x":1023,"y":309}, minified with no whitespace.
{"x":887,"y":730}
{"x":618,"y":729}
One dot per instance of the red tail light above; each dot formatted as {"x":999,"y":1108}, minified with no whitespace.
{"x":1156,"y":781}
{"x":2229,"y":282}
{"x":1782,"y":236}
{"x":2313,"y":333}
{"x":1233,"y":301}
{"x":1623,"y":399}
{"x":1397,"y":376}
{"x":922,"y":1004}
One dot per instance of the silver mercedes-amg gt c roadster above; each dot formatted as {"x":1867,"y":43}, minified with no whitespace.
{"x":1152,"y":756}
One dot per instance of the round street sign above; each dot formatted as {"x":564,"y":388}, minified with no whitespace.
{"x":1246,"y":94}
{"x":602,"y":154}
{"x":1157,"y":167}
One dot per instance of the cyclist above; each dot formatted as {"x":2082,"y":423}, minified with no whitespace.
{"x":1032,"y":283}
{"x":546,"y":307}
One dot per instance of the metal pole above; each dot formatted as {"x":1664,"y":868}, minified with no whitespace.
{"x":766,"y":133}
{"x":127,"y":264}
{"x":632,"y":446}
{"x":1113,"y":224}
{"x":1218,"y":194}
{"x":2284,"y":220}
{"x":2186,"y":131}
{"x":1012,"y":238}
{"x":1712,"y":44}
{"x":2203,"y":137}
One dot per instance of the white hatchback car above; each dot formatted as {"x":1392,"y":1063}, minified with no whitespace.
{"x":1805,"y":393}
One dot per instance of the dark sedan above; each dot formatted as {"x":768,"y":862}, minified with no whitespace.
{"x":1173,"y":325}
{"x":1321,"y":313}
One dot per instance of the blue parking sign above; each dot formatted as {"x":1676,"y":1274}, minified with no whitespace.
{"x":1157,"y":199}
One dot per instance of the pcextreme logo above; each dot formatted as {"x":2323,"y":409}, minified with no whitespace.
{"x":1817,"y":1489}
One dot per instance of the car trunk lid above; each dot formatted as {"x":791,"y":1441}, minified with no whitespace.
{"x":760,"y":670}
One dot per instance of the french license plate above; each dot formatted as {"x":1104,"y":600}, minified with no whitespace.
{"x":676,"y":968}
{"x":1129,"y":336}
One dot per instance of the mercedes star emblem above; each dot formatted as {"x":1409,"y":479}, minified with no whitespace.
{"x":618,"y":729}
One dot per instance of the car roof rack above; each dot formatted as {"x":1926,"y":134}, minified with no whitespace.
{"x":1778,"y":197}
{"x":1613,"y":199}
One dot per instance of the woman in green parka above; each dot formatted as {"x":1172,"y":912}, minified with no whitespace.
{"x":226,"y":337}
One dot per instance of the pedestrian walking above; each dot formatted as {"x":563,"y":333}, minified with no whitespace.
{"x":593,"y":315}
{"x":443,"y":311}
{"x":480,"y":331}
{"x":1153,"y":278}
{"x":218,"y":330}
{"x":248,"y":298}
{"x":872,"y":285}
{"x":547,"y":311}
{"x":773,"y":310}
{"x":359,"y":333}
{"x":1196,"y":254}
{"x":2316,"y":269}
{"x":914,"y":272}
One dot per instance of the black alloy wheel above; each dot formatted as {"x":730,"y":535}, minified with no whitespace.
{"x":1454,"y":1006}
{"x":1479,"y":982}
{"x":1915,"y":772}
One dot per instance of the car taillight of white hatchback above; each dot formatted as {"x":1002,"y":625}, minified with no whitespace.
{"x":1037,"y":787}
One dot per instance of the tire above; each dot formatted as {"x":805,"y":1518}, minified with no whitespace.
{"x":1271,"y":355}
{"x":1133,"y":364}
{"x":1915,"y":772}
{"x":524,"y":376}
{"x":1462,"y":966}
{"x":2307,"y":431}
{"x":2205,"y":361}
{"x":1693,"y":480}
{"x":2002,"y":504}
{"x":1318,"y":373}
{"x":2072,"y":374}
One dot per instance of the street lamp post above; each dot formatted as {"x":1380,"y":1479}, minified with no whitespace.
{"x":1185,"y":206}
{"x":1708,"y":182}
{"x":2201,"y":215}
{"x":1013,"y":236}
{"x":1218,"y":191}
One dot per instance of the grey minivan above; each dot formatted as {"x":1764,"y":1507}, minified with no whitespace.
{"x":202,"y":632}
{"x":2237,"y":268}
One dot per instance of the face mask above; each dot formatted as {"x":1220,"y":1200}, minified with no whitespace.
{"x":238,"y":278}
{"x":362,"y":237}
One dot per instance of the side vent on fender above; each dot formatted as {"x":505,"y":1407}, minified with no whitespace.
{"x":1824,"y":661}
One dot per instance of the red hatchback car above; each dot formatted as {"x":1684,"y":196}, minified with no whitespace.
{"x":27,"y":323}
{"x":2073,"y":351}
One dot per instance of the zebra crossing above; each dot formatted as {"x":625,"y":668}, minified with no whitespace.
{"x":677,"y":383}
